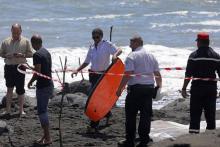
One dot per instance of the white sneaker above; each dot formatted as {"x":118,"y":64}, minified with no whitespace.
{"x":22,"y":113}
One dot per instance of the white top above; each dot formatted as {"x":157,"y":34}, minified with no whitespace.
{"x":143,"y":63}
{"x":100,"y":57}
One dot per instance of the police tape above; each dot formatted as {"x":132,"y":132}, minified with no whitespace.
{"x":83,"y":71}
{"x":113,"y":74}
{"x":202,"y":79}
{"x":37,"y":73}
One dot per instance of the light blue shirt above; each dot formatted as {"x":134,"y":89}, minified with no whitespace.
{"x":143,"y":65}
{"x":100,"y":57}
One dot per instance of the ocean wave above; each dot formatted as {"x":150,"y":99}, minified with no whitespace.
{"x":207,"y":13}
{"x":211,"y":1}
{"x":108,"y":16}
{"x":183,"y":13}
{"x":171,"y":25}
{"x":199,"y":30}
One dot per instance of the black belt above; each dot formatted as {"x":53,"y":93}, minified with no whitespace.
{"x":92,"y":71}
{"x":141,"y":86}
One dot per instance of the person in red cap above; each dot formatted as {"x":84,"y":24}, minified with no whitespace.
{"x":202,"y":36}
{"x":202,"y":63}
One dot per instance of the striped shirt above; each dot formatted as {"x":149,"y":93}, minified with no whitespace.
{"x":203,"y":63}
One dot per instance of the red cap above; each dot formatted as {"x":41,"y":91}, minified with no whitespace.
{"x":202,"y":36}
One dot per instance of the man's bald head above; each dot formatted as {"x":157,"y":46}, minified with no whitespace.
{"x":16,"y":26}
{"x":36,"y":41}
{"x":16,"y":31}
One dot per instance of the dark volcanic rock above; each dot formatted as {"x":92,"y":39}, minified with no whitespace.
{"x":3,"y":128}
{"x":80,"y":86}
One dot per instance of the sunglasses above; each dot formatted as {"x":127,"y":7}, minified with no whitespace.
{"x":96,"y":37}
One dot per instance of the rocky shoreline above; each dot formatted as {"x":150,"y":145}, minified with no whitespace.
{"x":23,"y":131}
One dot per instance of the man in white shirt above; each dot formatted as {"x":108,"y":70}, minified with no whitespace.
{"x":99,"y":56}
{"x":140,"y":92}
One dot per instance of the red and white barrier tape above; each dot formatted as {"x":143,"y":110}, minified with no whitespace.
{"x":203,"y":79}
{"x":37,"y":73}
{"x":173,"y":68}
{"x":113,"y":74}
{"x":83,"y":71}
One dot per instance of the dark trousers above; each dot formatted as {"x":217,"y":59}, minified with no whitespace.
{"x":14,"y":78}
{"x":93,"y":79}
{"x":202,"y":98}
{"x":139,"y":98}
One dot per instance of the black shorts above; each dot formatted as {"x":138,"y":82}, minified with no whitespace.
{"x":14,"y":78}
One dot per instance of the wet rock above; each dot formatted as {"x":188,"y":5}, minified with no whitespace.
{"x":80,"y":86}
{"x":77,"y":98}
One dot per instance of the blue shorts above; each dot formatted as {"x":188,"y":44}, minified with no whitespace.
{"x":43,"y":95}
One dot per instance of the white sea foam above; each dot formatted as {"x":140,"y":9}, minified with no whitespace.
{"x":198,"y":30}
{"x":207,"y":13}
{"x":167,"y":57}
{"x":211,"y":1}
{"x":180,"y":13}
{"x":107,"y":16}
{"x":214,"y":23}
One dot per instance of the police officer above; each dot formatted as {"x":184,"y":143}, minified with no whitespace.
{"x":140,"y":92}
{"x":202,"y":63}
{"x":99,"y":56}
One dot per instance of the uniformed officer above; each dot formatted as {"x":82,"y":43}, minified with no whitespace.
{"x":202,"y":63}
{"x":140,"y":91}
{"x":99,"y":57}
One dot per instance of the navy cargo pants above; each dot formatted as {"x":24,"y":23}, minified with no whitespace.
{"x":202,"y":98}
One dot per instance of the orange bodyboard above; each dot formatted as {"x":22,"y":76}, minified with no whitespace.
{"x":103,"y":96}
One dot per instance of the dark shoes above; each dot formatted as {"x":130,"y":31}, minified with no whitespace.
{"x":91,"y":130}
{"x":125,"y":143}
{"x":142,"y":145}
{"x":145,"y":144}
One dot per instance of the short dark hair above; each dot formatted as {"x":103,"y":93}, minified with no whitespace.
{"x":204,"y":43}
{"x":97,"y":31}
{"x":36,"y":39}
